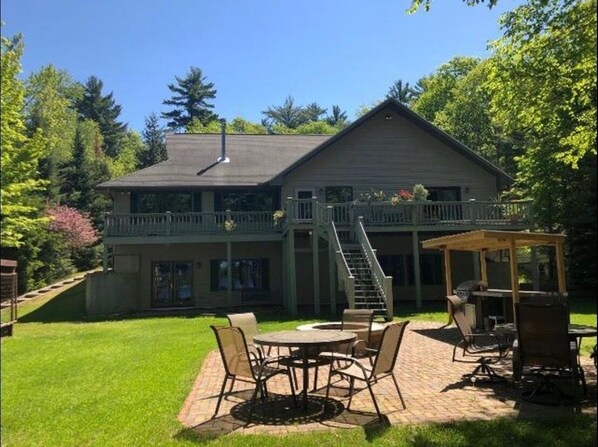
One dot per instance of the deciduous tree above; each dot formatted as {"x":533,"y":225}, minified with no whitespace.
{"x":20,"y":181}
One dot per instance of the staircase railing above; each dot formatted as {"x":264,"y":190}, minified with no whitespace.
{"x":382,"y":282}
{"x":346,"y":279}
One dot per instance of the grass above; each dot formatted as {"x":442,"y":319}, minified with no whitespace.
{"x":69,"y":380}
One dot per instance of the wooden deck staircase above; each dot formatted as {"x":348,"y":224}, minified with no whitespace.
{"x":367,"y":295}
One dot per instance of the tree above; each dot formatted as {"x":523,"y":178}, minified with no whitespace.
{"x":51,"y":95}
{"x":416,"y":4}
{"x":20,"y":182}
{"x":90,"y":167}
{"x":466,"y":116}
{"x":403,"y":93}
{"x":239,"y":125}
{"x":543,"y":86}
{"x":437,"y":88}
{"x":311,"y":128}
{"x":288,"y":114}
{"x":74,"y":226}
{"x":128,"y":158}
{"x":191,"y":100}
{"x":154,"y":143}
{"x":104,"y":111}
{"x":338,"y":117}
{"x":312,"y":112}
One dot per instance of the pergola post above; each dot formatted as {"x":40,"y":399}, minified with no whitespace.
{"x":514,"y":275}
{"x":483,"y":267}
{"x":560,"y":267}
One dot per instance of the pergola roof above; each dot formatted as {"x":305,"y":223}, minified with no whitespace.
{"x":492,"y":240}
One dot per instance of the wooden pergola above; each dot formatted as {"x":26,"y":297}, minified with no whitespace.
{"x":483,"y":241}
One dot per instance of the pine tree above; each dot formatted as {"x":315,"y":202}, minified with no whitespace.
{"x":190,"y":99}
{"x":154,"y":150}
{"x":104,"y":111}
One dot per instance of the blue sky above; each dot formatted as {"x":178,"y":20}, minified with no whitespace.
{"x":256,"y":51}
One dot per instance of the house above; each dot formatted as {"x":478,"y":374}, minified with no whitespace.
{"x":198,"y":230}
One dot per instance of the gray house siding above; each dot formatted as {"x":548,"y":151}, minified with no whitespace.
{"x":389,"y":155}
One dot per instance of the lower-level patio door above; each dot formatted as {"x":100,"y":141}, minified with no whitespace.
{"x":172,"y":284}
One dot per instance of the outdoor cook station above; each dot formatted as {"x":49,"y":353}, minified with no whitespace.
{"x":306,"y":342}
{"x":484,"y":241}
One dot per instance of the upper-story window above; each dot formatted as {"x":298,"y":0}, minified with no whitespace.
{"x":268,"y":200}
{"x":339,"y":194}
{"x":444,"y":194}
{"x":160,"y":202}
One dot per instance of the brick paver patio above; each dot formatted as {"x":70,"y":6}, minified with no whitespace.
{"x":430,"y":383}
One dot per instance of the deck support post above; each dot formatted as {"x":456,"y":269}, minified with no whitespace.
{"x":316,"y":258}
{"x":331,"y":263}
{"x":229,"y":274}
{"x":292,"y":273}
{"x":416,"y":270}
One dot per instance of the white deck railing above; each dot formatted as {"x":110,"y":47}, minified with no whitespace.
{"x":306,"y":211}
{"x":170,"y":224}
{"x":383,"y":283}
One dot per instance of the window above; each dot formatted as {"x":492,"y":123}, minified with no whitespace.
{"x":430,"y":267}
{"x":160,"y":202}
{"x":247,"y":274}
{"x":393,"y":265}
{"x":339,"y":194}
{"x":402,"y":269}
{"x":444,"y":194}
{"x":172,"y":283}
{"x":247,"y":201}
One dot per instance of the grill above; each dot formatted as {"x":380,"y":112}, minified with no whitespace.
{"x":464,"y":289}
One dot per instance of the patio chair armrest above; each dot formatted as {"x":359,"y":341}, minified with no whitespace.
{"x":359,"y":347}
{"x":336,"y":356}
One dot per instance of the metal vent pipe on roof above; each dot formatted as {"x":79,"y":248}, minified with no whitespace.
{"x":223,"y":158}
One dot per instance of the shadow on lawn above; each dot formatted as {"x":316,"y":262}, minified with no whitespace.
{"x":69,"y":306}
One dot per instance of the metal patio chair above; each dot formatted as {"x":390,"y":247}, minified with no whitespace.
{"x":240,"y":364}
{"x":487,"y":347}
{"x":544,"y":350}
{"x":383,"y":364}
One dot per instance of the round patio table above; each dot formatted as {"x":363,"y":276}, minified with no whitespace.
{"x":306,"y":342}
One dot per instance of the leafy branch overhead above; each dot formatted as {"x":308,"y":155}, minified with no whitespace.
{"x":416,"y":4}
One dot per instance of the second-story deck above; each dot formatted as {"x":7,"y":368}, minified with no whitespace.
{"x":299,"y":214}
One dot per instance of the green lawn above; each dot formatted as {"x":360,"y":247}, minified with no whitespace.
{"x":72,"y":381}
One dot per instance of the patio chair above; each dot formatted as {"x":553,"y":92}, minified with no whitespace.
{"x":543,"y":349}
{"x":240,"y":364}
{"x":487,"y":347}
{"x":248,"y":323}
{"x":383,"y":365}
{"x":363,"y":346}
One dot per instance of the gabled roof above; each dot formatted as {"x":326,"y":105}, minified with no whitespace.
{"x":259,"y":159}
{"x":419,"y":121}
{"x":254,"y":160}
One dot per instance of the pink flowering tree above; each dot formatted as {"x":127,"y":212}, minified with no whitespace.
{"x":74,"y":226}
